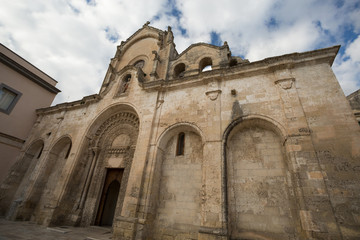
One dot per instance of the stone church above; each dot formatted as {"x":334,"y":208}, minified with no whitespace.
{"x":196,"y":145}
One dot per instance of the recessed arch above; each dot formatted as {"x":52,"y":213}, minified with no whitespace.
{"x":19,"y":175}
{"x":255,"y":171}
{"x":260,"y":119}
{"x":111,"y":139}
{"x":176,"y":129}
{"x":125,"y":83}
{"x":171,"y":169}
{"x":46,"y":183}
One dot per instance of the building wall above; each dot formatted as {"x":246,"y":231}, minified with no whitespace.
{"x":178,"y":209}
{"x":259,"y":192}
{"x":271,"y":148}
{"x":16,"y":125}
{"x":354,"y":100}
{"x":33,"y":97}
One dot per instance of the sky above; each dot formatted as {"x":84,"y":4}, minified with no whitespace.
{"x":74,"y":40}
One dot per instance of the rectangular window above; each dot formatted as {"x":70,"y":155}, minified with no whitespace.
{"x":8,"y":98}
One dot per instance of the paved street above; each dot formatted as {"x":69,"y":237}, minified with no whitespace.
{"x":30,"y":231}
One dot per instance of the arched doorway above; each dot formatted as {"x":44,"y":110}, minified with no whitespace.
{"x":108,"y":146}
{"x":109,"y":197}
{"x":259,"y":203}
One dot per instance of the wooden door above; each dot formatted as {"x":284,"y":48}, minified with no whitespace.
{"x":109,"y":196}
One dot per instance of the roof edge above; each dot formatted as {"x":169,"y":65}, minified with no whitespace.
{"x":27,"y":73}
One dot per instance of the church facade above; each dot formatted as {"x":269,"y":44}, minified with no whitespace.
{"x":196,"y":145}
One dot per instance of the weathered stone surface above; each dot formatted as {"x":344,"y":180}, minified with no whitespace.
{"x":261,"y":150}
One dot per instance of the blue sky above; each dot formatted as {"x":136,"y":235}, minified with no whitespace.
{"x":73,"y":40}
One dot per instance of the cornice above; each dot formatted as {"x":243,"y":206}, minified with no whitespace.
{"x":267,"y":65}
{"x":28,"y":74}
{"x":11,"y":140}
{"x":69,"y":105}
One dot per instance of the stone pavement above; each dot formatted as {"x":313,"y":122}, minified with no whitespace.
{"x":16,"y":230}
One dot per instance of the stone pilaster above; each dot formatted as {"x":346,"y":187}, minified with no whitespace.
{"x":315,"y":211}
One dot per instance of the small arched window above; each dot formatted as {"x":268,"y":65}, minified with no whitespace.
{"x":205,"y":64}
{"x":180,"y":147}
{"x":40,"y":152}
{"x":125,"y":83}
{"x":179,"y":70}
{"x":140,"y":64}
{"x":233,"y":62}
{"x":68,"y":151}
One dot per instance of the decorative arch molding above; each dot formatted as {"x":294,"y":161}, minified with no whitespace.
{"x":124,"y":70}
{"x":106,"y":114}
{"x":118,"y":118}
{"x":115,"y":77}
{"x":33,"y":143}
{"x":138,"y":58}
{"x":80,"y":201}
{"x":176,"y":129}
{"x":131,"y":42}
{"x":266,"y":121}
{"x":61,"y":138}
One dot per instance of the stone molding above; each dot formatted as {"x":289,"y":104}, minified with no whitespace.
{"x":11,"y":140}
{"x":285,"y":83}
{"x":122,"y":117}
{"x":213,"y":231}
{"x":213,"y":95}
{"x":267,"y":65}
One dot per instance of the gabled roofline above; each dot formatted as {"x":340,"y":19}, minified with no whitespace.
{"x":200,"y":44}
{"x":357,"y":92}
{"x":123,"y":43}
{"x":140,"y":29}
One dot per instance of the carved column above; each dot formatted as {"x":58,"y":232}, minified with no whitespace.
{"x":95,"y":151}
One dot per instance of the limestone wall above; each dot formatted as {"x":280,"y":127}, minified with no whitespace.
{"x":271,"y":148}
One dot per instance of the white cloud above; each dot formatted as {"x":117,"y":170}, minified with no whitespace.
{"x":73,"y":41}
{"x":347,"y":68}
{"x":68,"y":39}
